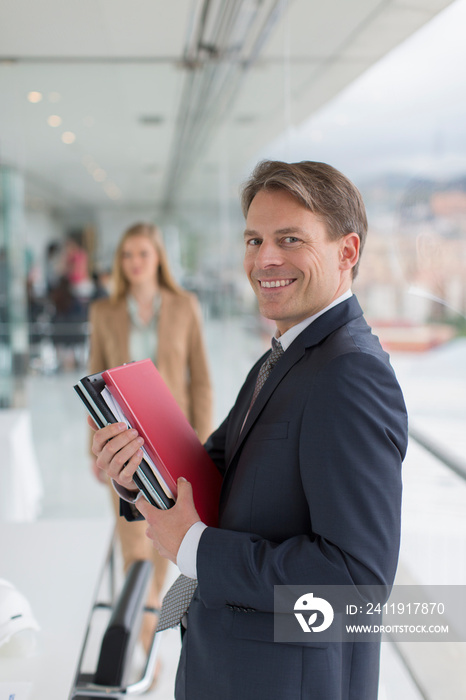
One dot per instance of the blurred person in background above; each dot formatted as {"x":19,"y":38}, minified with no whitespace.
{"x":76,"y":267}
{"x":54,"y":267}
{"x":148,"y":315}
{"x":68,"y":317}
{"x":101,"y":280}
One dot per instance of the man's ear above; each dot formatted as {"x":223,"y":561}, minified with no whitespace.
{"x":349,"y":251}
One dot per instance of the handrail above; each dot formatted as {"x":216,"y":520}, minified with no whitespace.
{"x":120,"y":635}
{"x":110,"y":677}
{"x":458,"y":467}
{"x":450,"y":461}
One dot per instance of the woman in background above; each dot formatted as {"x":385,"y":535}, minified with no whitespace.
{"x":149,"y":315}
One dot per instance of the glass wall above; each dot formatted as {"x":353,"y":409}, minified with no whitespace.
{"x":399,"y":133}
{"x":13,"y":290}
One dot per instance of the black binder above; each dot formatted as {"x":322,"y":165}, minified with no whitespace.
{"x":89,"y":390}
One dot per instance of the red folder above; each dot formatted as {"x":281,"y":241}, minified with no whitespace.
{"x":169,"y":439}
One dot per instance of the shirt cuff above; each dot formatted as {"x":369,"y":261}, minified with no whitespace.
{"x":186,"y":559}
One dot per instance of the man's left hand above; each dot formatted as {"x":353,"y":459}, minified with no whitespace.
{"x":167,"y":528}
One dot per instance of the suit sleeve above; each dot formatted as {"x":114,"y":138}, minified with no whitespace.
{"x":352,"y":440}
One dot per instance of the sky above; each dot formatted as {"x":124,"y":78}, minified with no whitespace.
{"x":406,"y":114}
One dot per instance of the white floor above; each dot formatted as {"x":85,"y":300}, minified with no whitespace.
{"x":434,"y":531}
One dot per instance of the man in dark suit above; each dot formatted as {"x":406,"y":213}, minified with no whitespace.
{"x":311,"y":462}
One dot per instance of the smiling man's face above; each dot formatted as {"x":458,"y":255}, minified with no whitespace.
{"x":292,"y":265}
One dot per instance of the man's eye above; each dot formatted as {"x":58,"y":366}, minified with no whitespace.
{"x":253,"y":241}
{"x":291,"y":239}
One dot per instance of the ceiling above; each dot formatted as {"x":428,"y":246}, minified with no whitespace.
{"x":170,"y":101}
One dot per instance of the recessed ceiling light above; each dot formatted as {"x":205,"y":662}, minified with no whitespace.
{"x":68,"y":137}
{"x":99,"y":175}
{"x":54,"y":120}
{"x":34,"y":96}
{"x":112,"y":190}
{"x":87,"y":160}
{"x":89,"y":163}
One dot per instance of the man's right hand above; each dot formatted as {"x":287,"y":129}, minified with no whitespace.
{"x":118,"y":452}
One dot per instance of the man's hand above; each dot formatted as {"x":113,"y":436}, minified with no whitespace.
{"x":167,"y":528}
{"x":118,"y":452}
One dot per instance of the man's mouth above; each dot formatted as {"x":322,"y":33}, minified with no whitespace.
{"x":268,"y":284}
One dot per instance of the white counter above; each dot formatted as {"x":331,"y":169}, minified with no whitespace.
{"x":21,"y":488}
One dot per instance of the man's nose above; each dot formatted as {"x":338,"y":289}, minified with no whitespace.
{"x":269,"y":254}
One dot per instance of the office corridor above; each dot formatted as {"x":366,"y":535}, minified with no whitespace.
{"x":434,"y":520}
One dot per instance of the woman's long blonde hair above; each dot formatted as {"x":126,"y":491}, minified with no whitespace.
{"x":120,"y":285}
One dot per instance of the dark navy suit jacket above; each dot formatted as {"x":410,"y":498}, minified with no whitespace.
{"x":311,"y":495}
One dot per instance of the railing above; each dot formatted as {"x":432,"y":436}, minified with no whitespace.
{"x":448,"y":460}
{"x":443,"y":658}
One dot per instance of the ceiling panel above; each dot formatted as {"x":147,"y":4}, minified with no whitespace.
{"x":389,"y":27}
{"x":99,"y":28}
{"x":313,"y":29}
{"x":150,"y":28}
{"x":51,"y":28}
{"x":115,"y":72}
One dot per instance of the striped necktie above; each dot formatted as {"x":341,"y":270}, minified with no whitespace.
{"x":176,"y":602}
{"x":267,"y":367}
